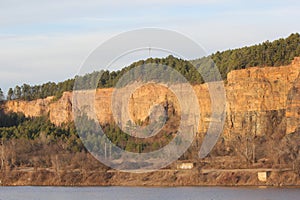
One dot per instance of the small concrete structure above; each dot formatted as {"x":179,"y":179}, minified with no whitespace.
{"x":263,"y":176}
{"x":185,"y":166}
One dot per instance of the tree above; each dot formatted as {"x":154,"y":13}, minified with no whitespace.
{"x":26,"y":92}
{"x":10,"y":94}
{"x":17,"y":92}
{"x":2,"y":98}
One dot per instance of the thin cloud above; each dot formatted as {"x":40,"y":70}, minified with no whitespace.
{"x":48,"y":40}
{"x":31,"y":11}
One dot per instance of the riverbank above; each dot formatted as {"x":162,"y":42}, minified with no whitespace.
{"x":161,"y":178}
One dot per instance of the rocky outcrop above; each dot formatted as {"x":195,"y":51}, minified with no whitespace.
{"x":61,"y":111}
{"x":33,"y":108}
{"x":258,"y":101}
{"x":293,"y":108}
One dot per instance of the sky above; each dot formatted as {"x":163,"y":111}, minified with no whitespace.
{"x":43,"y":41}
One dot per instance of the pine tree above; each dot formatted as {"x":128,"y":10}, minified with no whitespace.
{"x":10,"y":94}
{"x":2,"y":98}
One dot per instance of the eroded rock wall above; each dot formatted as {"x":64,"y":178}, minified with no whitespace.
{"x":258,"y":101}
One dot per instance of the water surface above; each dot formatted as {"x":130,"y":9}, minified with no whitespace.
{"x":130,"y":193}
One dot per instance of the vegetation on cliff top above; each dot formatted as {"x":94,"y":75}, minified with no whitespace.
{"x":276,"y":53}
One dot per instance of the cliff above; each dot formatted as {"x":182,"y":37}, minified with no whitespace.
{"x":258,"y":101}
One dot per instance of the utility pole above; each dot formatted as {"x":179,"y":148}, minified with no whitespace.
{"x":247,"y":150}
{"x":110,"y":148}
{"x":149,"y":50}
{"x":253,"y":149}
{"x":2,"y":153}
{"x":105,"y":153}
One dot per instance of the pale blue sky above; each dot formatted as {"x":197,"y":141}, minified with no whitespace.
{"x":44,"y":41}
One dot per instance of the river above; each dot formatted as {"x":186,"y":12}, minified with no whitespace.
{"x":130,"y":193}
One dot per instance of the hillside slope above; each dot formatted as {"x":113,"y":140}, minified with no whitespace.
{"x":260,"y":133}
{"x":255,"y":98}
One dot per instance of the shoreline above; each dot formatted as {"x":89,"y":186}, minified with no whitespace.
{"x":178,"y":178}
{"x":162,"y":187}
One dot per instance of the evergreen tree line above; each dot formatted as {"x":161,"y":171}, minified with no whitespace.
{"x":17,"y":126}
{"x":28,"y":92}
{"x":276,"y":53}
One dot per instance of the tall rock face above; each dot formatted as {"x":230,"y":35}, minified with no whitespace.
{"x":33,"y":108}
{"x":61,"y":111}
{"x":258,"y":101}
{"x":293,"y":108}
{"x":261,"y":100}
